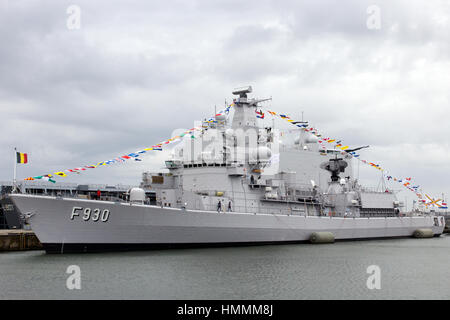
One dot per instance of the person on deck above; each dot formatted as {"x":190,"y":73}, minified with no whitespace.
{"x":219,"y":206}
{"x":229,"y":206}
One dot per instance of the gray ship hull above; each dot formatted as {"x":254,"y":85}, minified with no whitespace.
{"x":78,"y":225}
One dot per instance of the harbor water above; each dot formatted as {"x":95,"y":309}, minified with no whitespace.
{"x":409,"y":269}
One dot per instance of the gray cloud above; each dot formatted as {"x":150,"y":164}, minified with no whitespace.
{"x":137,"y":70}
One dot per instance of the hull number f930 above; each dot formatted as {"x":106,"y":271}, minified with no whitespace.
{"x":90,"y":214}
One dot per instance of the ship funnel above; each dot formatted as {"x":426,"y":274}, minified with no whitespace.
{"x":335,"y":166}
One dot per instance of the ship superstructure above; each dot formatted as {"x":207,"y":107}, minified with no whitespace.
{"x":252,"y":168}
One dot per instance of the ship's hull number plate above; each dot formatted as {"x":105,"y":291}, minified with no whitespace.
{"x":90,"y":214}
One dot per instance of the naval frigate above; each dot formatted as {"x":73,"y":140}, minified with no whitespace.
{"x":237,"y":183}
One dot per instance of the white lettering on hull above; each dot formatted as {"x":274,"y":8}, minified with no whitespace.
{"x":89,"y":214}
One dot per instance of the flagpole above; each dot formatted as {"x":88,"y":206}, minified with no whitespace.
{"x":15,"y":169}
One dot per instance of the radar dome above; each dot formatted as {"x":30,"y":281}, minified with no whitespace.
{"x":137,"y":195}
{"x":261,"y":153}
{"x":311,"y":139}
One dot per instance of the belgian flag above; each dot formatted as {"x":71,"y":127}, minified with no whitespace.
{"x":22,"y":157}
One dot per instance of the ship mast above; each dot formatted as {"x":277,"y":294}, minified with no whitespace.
{"x":244,"y":115}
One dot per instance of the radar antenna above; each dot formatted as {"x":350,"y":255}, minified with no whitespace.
{"x":242,"y":91}
{"x":335,"y":166}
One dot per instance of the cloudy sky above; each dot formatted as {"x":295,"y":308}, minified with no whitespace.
{"x":136,"y":70}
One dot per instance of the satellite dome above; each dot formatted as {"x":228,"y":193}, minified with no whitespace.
{"x":137,"y":195}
